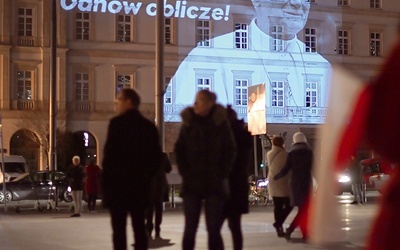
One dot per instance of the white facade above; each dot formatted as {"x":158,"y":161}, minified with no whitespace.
{"x":98,"y":52}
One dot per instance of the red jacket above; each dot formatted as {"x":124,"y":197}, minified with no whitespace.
{"x":92,"y":179}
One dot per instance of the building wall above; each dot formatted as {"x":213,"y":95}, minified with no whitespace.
{"x":102,"y":58}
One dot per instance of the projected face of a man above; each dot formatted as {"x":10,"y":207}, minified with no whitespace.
{"x":291,"y":15}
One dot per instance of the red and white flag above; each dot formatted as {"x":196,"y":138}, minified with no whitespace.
{"x":325,"y":224}
{"x":357,"y":111}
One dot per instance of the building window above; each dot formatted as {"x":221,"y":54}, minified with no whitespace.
{"x":168,"y":90}
{"x":24,"y":85}
{"x":343,"y":2}
{"x":124,"y":28}
{"x":241,"y":36}
{"x":311,"y":94}
{"x":25,"y":21}
{"x":343,"y":42}
{"x":241,"y":94}
{"x":375,"y":4}
{"x":375,"y":44}
{"x":203,"y":83}
{"x":169,"y":31}
{"x":203,"y":33}
{"x":278,"y":91}
{"x":82,"y":26}
{"x":81,"y":87}
{"x":277,"y":38}
{"x":123,"y":81}
{"x":310,"y":35}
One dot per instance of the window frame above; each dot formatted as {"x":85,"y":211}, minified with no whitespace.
{"x":81,"y":36}
{"x":309,"y":47}
{"x":24,"y":79}
{"x":203,"y":33}
{"x":343,"y":41}
{"x":169,"y":31}
{"x":311,"y":103}
{"x":168,"y":90}
{"x":377,"y":43}
{"x":342,"y":3}
{"x":127,"y":84}
{"x":124,"y":30}
{"x":25,"y":23}
{"x":82,"y":83}
{"x":277,"y":88}
{"x":277,"y":42}
{"x":375,"y":4}
{"x":243,"y":92}
{"x":241,"y":36}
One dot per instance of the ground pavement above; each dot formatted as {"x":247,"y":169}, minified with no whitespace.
{"x":53,"y":229}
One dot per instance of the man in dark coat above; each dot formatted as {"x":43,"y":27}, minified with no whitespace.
{"x":205,"y":152}
{"x":299,"y":163}
{"x":132,"y":154}
{"x":76,"y":179}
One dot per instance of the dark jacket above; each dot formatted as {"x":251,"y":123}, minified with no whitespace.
{"x":205,"y":152}
{"x":132,"y":154}
{"x":160,"y":183}
{"x":76,"y":177}
{"x":299,"y":163}
{"x":238,"y":202}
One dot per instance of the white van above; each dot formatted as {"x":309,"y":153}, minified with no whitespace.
{"x":15,"y":165}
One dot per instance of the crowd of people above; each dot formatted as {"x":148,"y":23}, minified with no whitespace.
{"x":213,"y":152}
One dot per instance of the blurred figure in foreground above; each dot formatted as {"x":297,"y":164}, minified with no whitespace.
{"x":205,"y":152}
{"x":238,"y":202}
{"x":299,"y":164}
{"x":92,"y":184}
{"x":132,"y":154}
{"x":159,"y":196}
{"x":278,"y":189}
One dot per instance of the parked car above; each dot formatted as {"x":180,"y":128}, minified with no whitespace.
{"x":376,"y":172}
{"x":15,"y":165}
{"x":37,"y":185}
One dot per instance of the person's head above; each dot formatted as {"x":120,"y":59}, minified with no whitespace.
{"x":127,"y":99}
{"x":278,"y":141}
{"x":291,"y":15}
{"x":232,"y":115}
{"x":204,"y":102}
{"x":299,"y":137}
{"x":76,"y":160}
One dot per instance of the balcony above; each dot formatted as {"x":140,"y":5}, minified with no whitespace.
{"x":81,"y":106}
{"x":26,"y":41}
{"x":22,"y":104}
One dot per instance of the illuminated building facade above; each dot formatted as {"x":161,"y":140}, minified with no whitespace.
{"x":104,"y":46}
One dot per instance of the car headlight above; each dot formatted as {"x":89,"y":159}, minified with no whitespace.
{"x":344,"y":178}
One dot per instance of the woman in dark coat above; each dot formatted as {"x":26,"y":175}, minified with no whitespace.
{"x":238,"y":202}
{"x":299,"y":163}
